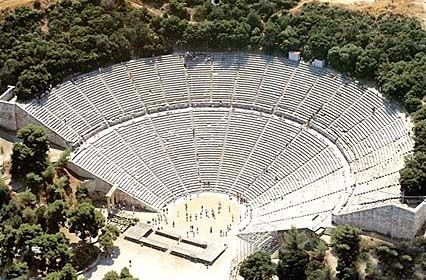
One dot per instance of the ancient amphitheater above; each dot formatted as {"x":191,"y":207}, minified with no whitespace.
{"x":297,"y":144}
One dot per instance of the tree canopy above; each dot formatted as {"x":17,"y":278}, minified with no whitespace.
{"x":293,"y":257}
{"x":345,"y":241}
{"x":257,"y":266}
{"x":31,"y":242}
{"x":30,"y":156}
{"x":85,"y":34}
{"x":124,"y":275}
{"x":106,"y":240}
{"x":85,"y":221}
{"x":301,"y":256}
{"x":4,"y":193}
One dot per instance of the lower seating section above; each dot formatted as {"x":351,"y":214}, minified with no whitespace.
{"x":235,"y":152}
{"x":301,"y":206}
{"x":292,"y":140}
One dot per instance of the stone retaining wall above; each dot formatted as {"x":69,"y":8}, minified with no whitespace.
{"x":394,"y":220}
{"x":7,"y":115}
{"x":96,"y":186}
{"x":13,"y":117}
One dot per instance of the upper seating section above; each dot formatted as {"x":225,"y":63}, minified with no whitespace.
{"x":92,"y":101}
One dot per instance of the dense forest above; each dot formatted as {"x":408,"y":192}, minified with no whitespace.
{"x":303,"y":256}
{"x":33,"y":221}
{"x":39,"y":47}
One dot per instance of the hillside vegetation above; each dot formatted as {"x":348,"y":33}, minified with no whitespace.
{"x":37,"y":223}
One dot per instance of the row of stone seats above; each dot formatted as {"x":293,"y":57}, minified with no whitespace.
{"x":310,"y":201}
{"x":98,"y":163}
{"x":55,"y":123}
{"x":239,"y":154}
{"x":168,"y":153}
{"x":117,"y":79}
{"x":161,"y":81}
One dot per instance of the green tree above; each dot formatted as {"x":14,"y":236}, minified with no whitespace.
{"x":54,"y":191}
{"x":35,"y":137}
{"x":25,"y":233}
{"x":345,"y":241}
{"x":420,"y":135}
{"x":48,"y":174}
{"x":397,"y":79}
{"x":366,"y":65}
{"x":49,"y":252}
{"x":17,"y":271}
{"x":31,"y":154}
{"x":111,"y":275}
{"x":173,"y":28}
{"x":33,"y":182}
{"x":316,"y":270}
{"x":257,"y":266}
{"x":9,"y":71}
{"x":348,"y":273}
{"x":62,"y":162}
{"x":179,"y":9}
{"x":317,"y":46}
{"x":419,"y":114}
{"x":292,"y":264}
{"x":33,"y":82}
{"x":82,"y":193}
{"x":411,"y":103}
{"x":26,"y":199}
{"x":40,"y":216}
{"x":85,"y":221}
{"x":10,"y":214}
{"x":124,"y":275}
{"x":396,"y":262}
{"x":66,"y":273}
{"x":4,"y":193}
{"x":288,"y":39}
{"x":55,"y":216}
{"x":28,"y":215}
{"x":413,"y":175}
{"x":293,"y":257}
{"x":412,"y":179}
{"x":265,"y":8}
{"x":7,"y":245}
{"x":20,"y":159}
{"x":345,"y":58}
{"x":254,"y":20}
{"x":55,"y":275}
{"x":320,"y":250}
{"x":108,"y":235}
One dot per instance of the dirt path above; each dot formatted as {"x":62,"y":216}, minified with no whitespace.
{"x":13,"y":4}
{"x":4,"y":4}
{"x":415,"y":8}
{"x":407,"y":7}
{"x":152,"y":10}
{"x":299,"y":6}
